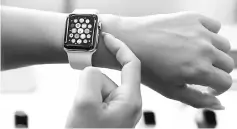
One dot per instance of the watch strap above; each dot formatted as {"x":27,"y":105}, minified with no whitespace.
{"x":79,"y":60}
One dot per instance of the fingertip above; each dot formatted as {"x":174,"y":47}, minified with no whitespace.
{"x":90,"y":73}
{"x":211,"y":24}
{"x":107,"y":39}
{"x":217,"y":107}
{"x":91,"y":69}
{"x":104,"y":34}
{"x":113,"y":44}
{"x":232,"y":65}
{"x":218,"y":26}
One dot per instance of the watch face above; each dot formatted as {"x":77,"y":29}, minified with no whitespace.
{"x":81,"y":32}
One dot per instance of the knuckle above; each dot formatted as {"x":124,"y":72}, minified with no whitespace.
{"x":198,"y":35}
{"x":190,"y":73}
{"x":203,"y":34}
{"x":135,"y":107}
{"x":205,"y":47}
{"x":82,"y":104}
{"x":202,"y":70}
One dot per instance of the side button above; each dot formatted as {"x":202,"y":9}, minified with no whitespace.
{"x":100,"y":25}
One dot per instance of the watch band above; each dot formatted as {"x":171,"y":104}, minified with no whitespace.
{"x":80,"y":60}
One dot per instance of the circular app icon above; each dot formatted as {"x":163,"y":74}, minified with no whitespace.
{"x":81,"y":20}
{"x":79,"y":41}
{"x":87,"y":20}
{"x":84,"y":41}
{"x":75,"y":20}
{"x":74,"y":30}
{"x":78,"y":25}
{"x":73,"y":40}
{"x":87,"y":31}
{"x":83,"y":36}
{"x":83,"y":25}
{"x":76,"y":36}
{"x":88,"y":36}
{"x":80,"y":31}
{"x":71,"y":35}
{"x":89,"y":26}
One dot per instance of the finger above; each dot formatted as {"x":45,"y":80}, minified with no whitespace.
{"x":220,"y":42}
{"x":223,"y":61}
{"x":196,"y":98}
{"x":131,"y":71}
{"x":210,"y":24}
{"x":215,"y":78}
{"x":222,"y":81}
{"x":108,"y":87}
{"x":94,"y":86}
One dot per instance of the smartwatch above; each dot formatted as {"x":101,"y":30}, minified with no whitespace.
{"x":81,"y":37}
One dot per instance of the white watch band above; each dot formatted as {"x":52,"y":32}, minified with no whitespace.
{"x":80,"y":60}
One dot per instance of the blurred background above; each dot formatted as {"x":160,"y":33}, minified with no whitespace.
{"x":45,"y":94}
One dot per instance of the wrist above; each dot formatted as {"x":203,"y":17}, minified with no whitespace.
{"x":57,"y":40}
{"x":110,"y":23}
{"x":102,"y":57}
{"x":123,"y":29}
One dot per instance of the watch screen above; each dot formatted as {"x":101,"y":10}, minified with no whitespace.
{"x":80,"y":31}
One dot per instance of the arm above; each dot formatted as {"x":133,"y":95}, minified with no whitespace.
{"x":174,"y":49}
{"x":36,"y":37}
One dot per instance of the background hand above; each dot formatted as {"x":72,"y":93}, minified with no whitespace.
{"x":99,"y":102}
{"x":179,"y":49}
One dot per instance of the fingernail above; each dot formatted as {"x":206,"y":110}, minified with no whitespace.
{"x":217,"y":107}
{"x":104,"y":34}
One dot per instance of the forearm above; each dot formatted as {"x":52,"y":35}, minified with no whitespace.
{"x":36,"y":37}
{"x":31,"y":37}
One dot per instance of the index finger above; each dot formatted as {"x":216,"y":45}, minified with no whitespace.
{"x":131,"y":71}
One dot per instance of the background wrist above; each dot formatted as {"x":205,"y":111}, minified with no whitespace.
{"x":102,"y":57}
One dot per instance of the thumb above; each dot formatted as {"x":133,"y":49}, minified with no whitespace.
{"x":94,"y":86}
{"x":194,"y":97}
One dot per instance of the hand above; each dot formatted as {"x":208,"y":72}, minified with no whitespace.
{"x":100,"y":103}
{"x":179,"y":49}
